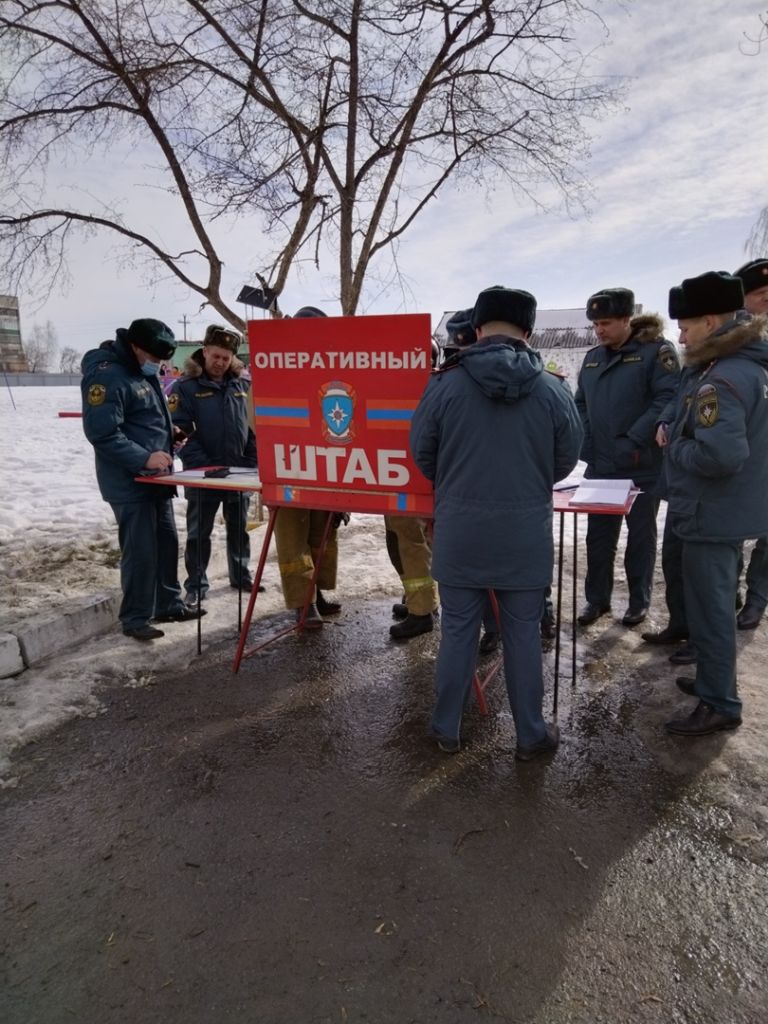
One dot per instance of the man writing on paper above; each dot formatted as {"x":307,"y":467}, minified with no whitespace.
{"x":127,"y":421}
{"x":624,"y":384}
{"x":494,"y":432}
{"x":717,"y":481}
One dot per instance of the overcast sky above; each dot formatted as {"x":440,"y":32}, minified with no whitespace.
{"x":679,"y":172}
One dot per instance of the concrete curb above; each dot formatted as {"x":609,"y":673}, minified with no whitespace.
{"x":42,"y":636}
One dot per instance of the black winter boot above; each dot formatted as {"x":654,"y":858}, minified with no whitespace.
{"x":413,"y":625}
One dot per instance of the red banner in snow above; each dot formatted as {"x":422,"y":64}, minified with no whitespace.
{"x":333,"y":399}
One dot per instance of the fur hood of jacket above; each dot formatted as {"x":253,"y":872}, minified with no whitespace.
{"x":737,"y":334}
{"x":647,"y":327}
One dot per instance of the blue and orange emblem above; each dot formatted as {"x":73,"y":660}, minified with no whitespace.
{"x":337,"y":404}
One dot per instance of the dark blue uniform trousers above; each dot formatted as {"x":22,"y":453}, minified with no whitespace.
{"x":710,"y":578}
{"x":672,"y":567}
{"x":462,"y":612}
{"x":149,"y":562}
{"x":199,"y":528}
{"x":639,"y":559}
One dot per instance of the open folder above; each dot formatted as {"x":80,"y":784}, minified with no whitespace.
{"x":602,"y":492}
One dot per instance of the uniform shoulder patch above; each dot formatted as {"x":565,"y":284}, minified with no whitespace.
{"x":173,"y":401}
{"x":96,"y":394}
{"x":668,"y":358}
{"x":707,"y":408}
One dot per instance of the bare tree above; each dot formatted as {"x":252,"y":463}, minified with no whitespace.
{"x":69,"y":360}
{"x":331,"y":125}
{"x":757,"y":243}
{"x":40,"y":347}
{"x":754,"y":41}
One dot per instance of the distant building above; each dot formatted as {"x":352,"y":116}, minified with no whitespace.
{"x":12,"y":358}
{"x":562,"y":336}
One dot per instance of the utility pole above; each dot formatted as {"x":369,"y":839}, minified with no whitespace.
{"x":184,"y":320}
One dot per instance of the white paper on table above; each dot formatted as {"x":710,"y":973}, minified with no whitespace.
{"x":602,"y":492}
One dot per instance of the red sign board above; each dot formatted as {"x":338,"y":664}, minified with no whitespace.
{"x":333,"y":399}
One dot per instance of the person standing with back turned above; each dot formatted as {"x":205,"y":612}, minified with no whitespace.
{"x":494,"y":432}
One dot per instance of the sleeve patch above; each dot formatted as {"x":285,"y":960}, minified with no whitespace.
{"x":173,"y":402}
{"x":707,"y":409}
{"x":96,"y":394}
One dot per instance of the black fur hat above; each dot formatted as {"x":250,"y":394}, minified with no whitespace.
{"x":677,"y":310}
{"x":509,"y":305}
{"x":151,"y":336}
{"x":713,"y":292}
{"x":611,"y":304}
{"x":308,"y":311}
{"x":753,"y":275}
{"x":460,"y":330}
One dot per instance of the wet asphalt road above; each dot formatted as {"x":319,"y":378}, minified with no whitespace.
{"x":285,"y":846}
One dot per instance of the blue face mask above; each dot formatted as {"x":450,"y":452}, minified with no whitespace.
{"x":150,"y":369}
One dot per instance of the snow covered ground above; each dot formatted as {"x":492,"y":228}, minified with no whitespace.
{"x":58,"y":539}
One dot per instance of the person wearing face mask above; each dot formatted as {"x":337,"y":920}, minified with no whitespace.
{"x":209,"y":404}
{"x":126,"y":419}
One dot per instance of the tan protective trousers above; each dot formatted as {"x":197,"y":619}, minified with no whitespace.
{"x":411,"y":554}
{"x":298,"y":533}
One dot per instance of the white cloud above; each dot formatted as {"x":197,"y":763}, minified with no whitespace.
{"x":678,"y":174}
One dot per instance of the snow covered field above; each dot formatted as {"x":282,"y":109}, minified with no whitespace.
{"x":58,"y":539}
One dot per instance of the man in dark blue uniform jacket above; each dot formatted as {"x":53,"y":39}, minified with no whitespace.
{"x":624,"y":384}
{"x":754,"y":277}
{"x":717,"y":481}
{"x":127,"y":421}
{"x":210,"y":404}
{"x":494,"y":432}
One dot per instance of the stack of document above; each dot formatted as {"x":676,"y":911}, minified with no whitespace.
{"x":603,"y":492}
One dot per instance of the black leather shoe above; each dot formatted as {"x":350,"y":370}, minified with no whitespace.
{"x":702,"y":721}
{"x":144,"y":633}
{"x":665,"y":636}
{"x":685,"y":655}
{"x":326,"y":607}
{"x":183,"y":614}
{"x":448,"y":744}
{"x":412,"y":626}
{"x":546,"y":746}
{"x":750,"y":615}
{"x":634,"y":616}
{"x":686,"y":685}
{"x":400,"y":610}
{"x":591,"y":613}
{"x":489,"y":643}
{"x":247,"y":586}
{"x":314,"y":619}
